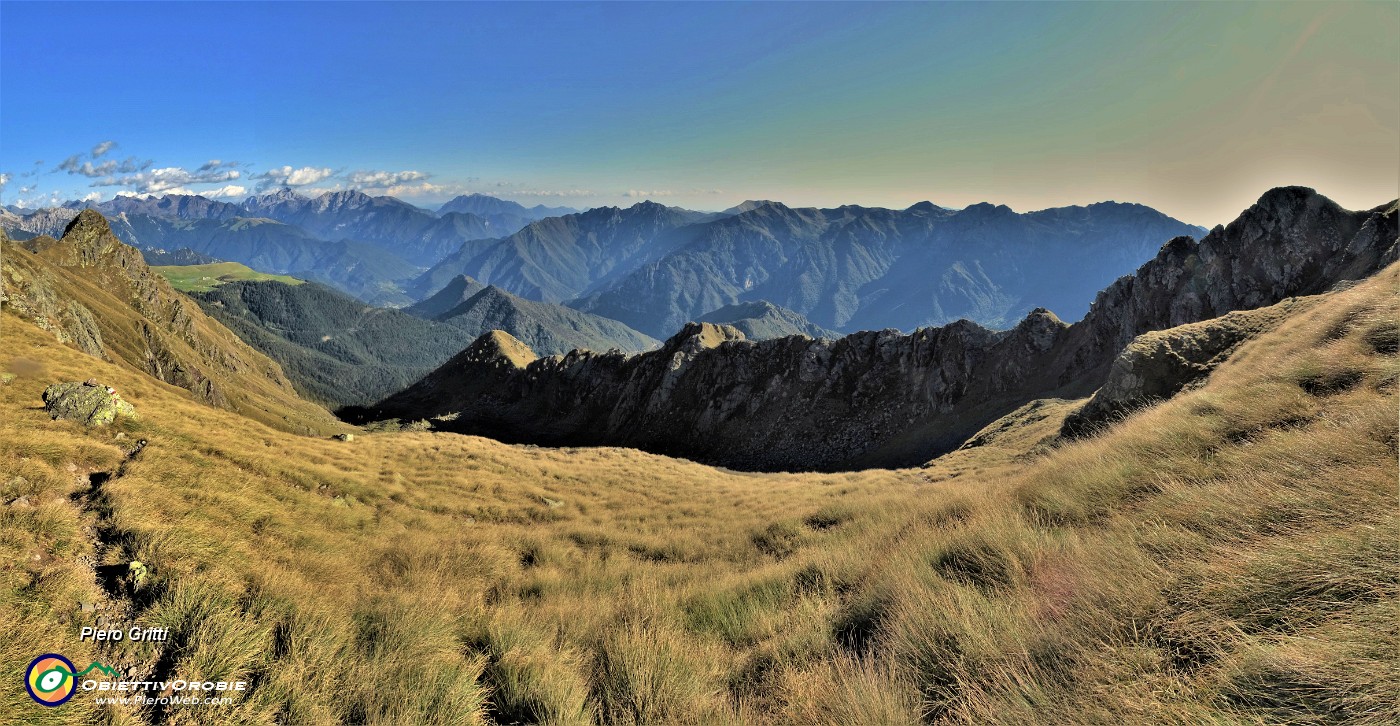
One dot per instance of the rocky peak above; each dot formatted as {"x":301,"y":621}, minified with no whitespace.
{"x":749,"y":205}
{"x":498,"y":349}
{"x":89,"y":224}
{"x":695,"y":337}
{"x":88,"y":241}
{"x":285,"y":194}
{"x":349,"y":198}
{"x":987,"y":209}
{"x":1177,"y":249}
{"x":1040,"y":329}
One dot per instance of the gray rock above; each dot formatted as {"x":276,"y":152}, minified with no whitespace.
{"x":90,"y":405}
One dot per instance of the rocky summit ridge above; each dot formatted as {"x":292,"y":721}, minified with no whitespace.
{"x":884,"y":398}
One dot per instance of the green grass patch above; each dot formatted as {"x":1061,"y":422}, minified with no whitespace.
{"x":203,"y":278}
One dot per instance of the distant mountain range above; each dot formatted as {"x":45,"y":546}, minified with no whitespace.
{"x":857,"y":268}
{"x":652,"y":267}
{"x":560,"y":258}
{"x":501,"y":213}
{"x":363,"y":245}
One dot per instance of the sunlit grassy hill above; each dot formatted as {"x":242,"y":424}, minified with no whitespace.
{"x":1226,"y":556}
{"x":203,"y":278}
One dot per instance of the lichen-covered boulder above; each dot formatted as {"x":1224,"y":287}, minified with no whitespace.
{"x":94,"y":405}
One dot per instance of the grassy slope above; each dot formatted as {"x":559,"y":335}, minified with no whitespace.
{"x":203,"y":278}
{"x":251,"y":386}
{"x":1228,"y":555}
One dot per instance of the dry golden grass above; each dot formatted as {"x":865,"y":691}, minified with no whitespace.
{"x":1227,"y":556}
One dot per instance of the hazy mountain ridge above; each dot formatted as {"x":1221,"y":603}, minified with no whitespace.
{"x":854,"y":268}
{"x":341,"y":352}
{"x":546,"y":327}
{"x":367,"y":246}
{"x":762,"y":320}
{"x":886,"y":398}
{"x":502,"y":214}
{"x":559,"y":258}
{"x":362,"y":269}
{"x":415,"y":234}
{"x":654,"y":267}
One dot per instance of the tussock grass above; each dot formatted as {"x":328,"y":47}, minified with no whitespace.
{"x":1226,"y":556}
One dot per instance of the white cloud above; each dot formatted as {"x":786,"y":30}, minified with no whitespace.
{"x":213,"y":164}
{"x":633,"y":193}
{"x":290,"y":177}
{"x":4,"y":179}
{"x":383,"y":179}
{"x":553,"y":193}
{"x":167,"y":179}
{"x":92,"y":197}
{"x":154,"y":195}
{"x":231,"y":190}
{"x":103,"y":148}
{"x":128,"y":165}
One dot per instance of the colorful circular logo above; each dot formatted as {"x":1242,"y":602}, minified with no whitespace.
{"x":49,"y":680}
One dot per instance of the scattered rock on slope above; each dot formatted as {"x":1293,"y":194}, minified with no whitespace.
{"x":88,"y":403}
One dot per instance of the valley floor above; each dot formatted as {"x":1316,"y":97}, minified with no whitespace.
{"x":1226,"y":556}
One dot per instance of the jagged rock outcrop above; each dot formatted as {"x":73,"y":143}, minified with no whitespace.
{"x":884,"y":398}
{"x":87,"y":403}
{"x":711,"y":394}
{"x":89,"y":248}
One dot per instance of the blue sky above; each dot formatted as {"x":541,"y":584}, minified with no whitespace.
{"x":1193,"y":109}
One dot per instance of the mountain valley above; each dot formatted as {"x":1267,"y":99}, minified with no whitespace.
{"x":1202,"y":539}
